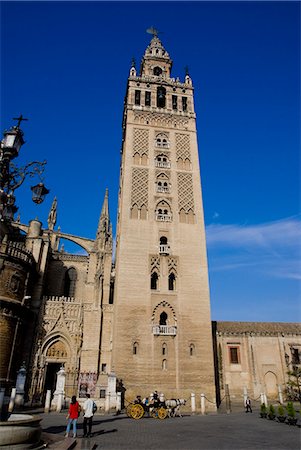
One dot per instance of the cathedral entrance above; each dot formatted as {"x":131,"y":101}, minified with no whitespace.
{"x":50,"y":379}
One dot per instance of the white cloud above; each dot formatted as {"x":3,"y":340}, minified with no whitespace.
{"x":272,"y":248}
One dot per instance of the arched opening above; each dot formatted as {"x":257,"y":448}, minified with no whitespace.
{"x":171,"y":281}
{"x":135,"y":348}
{"x":164,"y":364}
{"x":154,"y":281}
{"x":157,"y":71}
{"x":161,"y":97}
{"x":70,"y":282}
{"x":163,"y":240}
{"x":163,"y":318}
{"x":164,"y":349}
{"x":191,"y":349}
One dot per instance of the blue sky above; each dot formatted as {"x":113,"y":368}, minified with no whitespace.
{"x":65,"y":67}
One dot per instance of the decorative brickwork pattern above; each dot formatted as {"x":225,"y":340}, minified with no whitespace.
{"x":140,"y":141}
{"x":139,"y":187}
{"x":160,"y":120}
{"x":154,"y":264}
{"x":172,"y":265}
{"x":185,"y":192}
{"x":183,"y":146}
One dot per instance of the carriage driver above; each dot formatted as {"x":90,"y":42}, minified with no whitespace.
{"x":138,"y":400}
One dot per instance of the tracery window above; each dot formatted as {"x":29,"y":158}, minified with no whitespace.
{"x":154,"y":281}
{"x":70,"y":282}
{"x":161,"y":97}
{"x":171,"y":281}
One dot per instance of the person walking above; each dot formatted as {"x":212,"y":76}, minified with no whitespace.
{"x":88,"y":415}
{"x":248,"y":405}
{"x":73,"y":413}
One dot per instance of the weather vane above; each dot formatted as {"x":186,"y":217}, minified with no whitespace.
{"x":153,"y":31}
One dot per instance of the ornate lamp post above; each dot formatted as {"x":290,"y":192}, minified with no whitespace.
{"x":11,"y":176}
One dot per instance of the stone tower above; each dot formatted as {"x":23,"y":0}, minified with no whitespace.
{"x":162,"y":330}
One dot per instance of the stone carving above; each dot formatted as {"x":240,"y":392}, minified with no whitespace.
{"x":139,"y":187}
{"x":183,"y":146}
{"x":185,"y":192}
{"x":140,"y":141}
{"x":160,"y":120}
{"x":154,"y":263}
{"x":172,"y":264}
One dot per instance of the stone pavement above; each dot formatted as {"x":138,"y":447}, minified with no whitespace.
{"x":235,"y":431}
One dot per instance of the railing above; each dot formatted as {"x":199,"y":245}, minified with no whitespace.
{"x":164,"y":249}
{"x":162,"y":189}
{"x":17,"y":250}
{"x":167,"y":330}
{"x":58,"y":298}
{"x":162,"y":164}
{"x":163,"y":217}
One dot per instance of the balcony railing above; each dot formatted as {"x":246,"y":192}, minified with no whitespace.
{"x":163,"y":217}
{"x":163,"y":189}
{"x":164,"y":249}
{"x":162,"y":164}
{"x":166,"y":330}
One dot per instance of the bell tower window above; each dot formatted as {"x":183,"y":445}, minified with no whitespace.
{"x":174,"y":102}
{"x":147,"y":98}
{"x":161,"y":97}
{"x":137,"y":97}
{"x":157,"y":71}
{"x":163,"y":318}
{"x":184,"y":103}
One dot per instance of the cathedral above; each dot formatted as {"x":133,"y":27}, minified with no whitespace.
{"x":142,"y":321}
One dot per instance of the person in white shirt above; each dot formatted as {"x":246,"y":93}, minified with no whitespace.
{"x":88,"y":415}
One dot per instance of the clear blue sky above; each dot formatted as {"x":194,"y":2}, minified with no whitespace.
{"x":65,"y":67}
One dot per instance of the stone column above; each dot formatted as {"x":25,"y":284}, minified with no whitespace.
{"x":12,"y":400}
{"x":192,"y":403}
{"x":47,"y":401}
{"x":203,"y":404}
{"x":280,"y":394}
{"x":118,"y":403}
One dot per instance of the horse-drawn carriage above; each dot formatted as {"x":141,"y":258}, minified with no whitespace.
{"x":139,"y":410}
{"x":156,"y":410}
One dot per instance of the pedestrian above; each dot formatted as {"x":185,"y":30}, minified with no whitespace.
{"x":248,"y":405}
{"x":88,"y":415}
{"x":73,"y":413}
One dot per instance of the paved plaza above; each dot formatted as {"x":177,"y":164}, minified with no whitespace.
{"x":235,"y":431}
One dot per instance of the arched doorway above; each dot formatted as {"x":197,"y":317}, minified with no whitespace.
{"x":270,"y":381}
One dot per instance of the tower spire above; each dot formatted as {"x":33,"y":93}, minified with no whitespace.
{"x":52,"y":215}
{"x":104,"y":230}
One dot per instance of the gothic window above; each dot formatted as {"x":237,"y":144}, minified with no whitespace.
{"x":161,"y":97}
{"x":163,"y":318}
{"x":137,"y":97}
{"x":191,"y":349}
{"x":147,"y":98}
{"x":163,"y":213}
{"x":111,"y":295}
{"x":162,"y":183}
{"x":70,"y":282}
{"x":164,"y":364}
{"x":184,"y":103}
{"x":174,"y":102}
{"x":154,"y":281}
{"x":171,"y":281}
{"x":162,"y":161}
{"x":164,"y":349}
{"x":162,"y":140}
{"x":157,"y":71}
{"x":135,"y":348}
{"x":234,"y":355}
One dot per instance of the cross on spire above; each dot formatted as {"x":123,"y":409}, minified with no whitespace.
{"x":19,"y":119}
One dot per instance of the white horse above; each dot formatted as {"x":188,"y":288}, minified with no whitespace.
{"x":173,"y":406}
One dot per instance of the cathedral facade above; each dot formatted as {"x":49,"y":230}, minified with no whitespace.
{"x":142,"y":322}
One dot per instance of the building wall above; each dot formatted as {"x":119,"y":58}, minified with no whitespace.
{"x":262,"y":357}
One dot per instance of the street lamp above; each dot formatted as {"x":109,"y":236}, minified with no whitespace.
{"x":11,"y":176}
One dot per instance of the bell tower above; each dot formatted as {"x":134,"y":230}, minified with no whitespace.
{"x":162,"y":327}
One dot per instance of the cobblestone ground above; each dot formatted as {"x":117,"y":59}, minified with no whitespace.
{"x":235,"y":431}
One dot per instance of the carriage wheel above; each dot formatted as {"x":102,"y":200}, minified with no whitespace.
{"x":137,"y":411}
{"x":128,"y":410}
{"x":162,"y":413}
{"x":154,"y":413}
